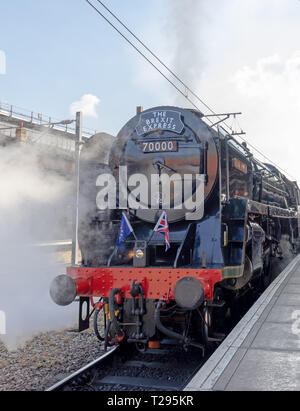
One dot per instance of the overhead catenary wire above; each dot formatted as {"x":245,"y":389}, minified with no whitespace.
{"x":187,"y":88}
{"x":157,"y":58}
{"x":141,"y":53}
{"x":147,"y":59}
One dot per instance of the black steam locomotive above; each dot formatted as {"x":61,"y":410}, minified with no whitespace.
{"x":214,"y":256}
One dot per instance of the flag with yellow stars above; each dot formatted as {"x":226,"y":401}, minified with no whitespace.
{"x":124,"y":232}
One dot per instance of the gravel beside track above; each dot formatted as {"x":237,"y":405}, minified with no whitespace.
{"x":46,"y":359}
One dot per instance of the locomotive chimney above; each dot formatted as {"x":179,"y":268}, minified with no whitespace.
{"x":139,"y":110}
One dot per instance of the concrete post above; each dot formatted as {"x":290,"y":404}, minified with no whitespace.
{"x":78,"y":143}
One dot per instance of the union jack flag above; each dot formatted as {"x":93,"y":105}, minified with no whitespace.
{"x":162,"y":226}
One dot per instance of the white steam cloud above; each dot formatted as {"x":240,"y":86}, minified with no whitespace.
{"x":29,"y":214}
{"x":87,"y":104}
{"x":187,"y":41}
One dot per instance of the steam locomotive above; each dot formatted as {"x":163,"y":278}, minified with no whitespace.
{"x":214,"y":257}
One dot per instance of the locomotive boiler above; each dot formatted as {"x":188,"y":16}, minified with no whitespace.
{"x":218,"y":250}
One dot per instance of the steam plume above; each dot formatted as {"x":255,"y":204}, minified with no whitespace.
{"x":28,"y":216}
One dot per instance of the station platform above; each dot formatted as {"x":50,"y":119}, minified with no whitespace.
{"x":262,"y":353}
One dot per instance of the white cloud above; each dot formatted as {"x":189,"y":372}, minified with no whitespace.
{"x":271,"y":74}
{"x":270,"y":90}
{"x":87,"y":104}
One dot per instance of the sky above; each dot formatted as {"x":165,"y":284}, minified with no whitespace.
{"x":238,"y":55}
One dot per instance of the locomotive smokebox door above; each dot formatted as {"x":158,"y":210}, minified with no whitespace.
{"x":140,"y":258}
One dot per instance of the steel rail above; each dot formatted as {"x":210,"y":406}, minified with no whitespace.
{"x":59,"y":385}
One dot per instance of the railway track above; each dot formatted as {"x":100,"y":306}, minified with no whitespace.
{"x":126,"y":369}
{"x":82,"y":373}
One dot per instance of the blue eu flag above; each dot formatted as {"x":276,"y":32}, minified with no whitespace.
{"x":125,"y":231}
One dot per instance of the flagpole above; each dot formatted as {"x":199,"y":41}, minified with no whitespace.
{"x":153,"y":231}
{"x":148,"y":241}
{"x":112,"y":255}
{"x":129,"y":225}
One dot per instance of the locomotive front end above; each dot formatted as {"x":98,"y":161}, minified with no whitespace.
{"x":142,"y":259}
{"x":140,"y":305}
